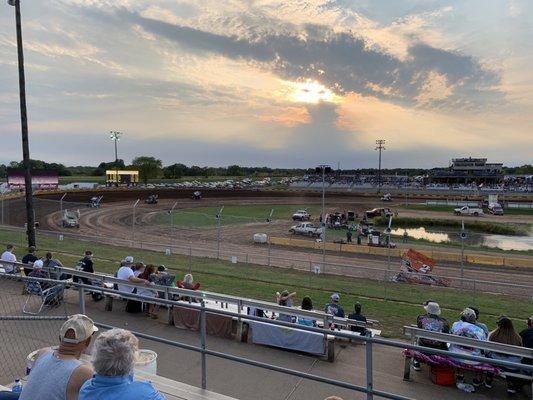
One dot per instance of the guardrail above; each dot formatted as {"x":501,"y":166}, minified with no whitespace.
{"x":368,"y":389}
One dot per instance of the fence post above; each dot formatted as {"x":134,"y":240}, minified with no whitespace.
{"x":474,"y":292}
{"x":81,"y":294}
{"x":369,"y":371}
{"x":202,"y":339}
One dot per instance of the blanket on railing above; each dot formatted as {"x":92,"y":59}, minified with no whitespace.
{"x":435,"y":359}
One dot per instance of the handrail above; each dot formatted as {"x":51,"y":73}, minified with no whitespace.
{"x":410,"y":331}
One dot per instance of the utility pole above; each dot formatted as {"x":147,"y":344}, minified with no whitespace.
{"x":463,"y":237}
{"x":380,"y":145}
{"x":219,"y":217}
{"x":172,"y":222}
{"x":133,"y":224}
{"x":115,"y":136}
{"x":269,"y":221}
{"x":323,"y":169}
{"x":30,"y":216}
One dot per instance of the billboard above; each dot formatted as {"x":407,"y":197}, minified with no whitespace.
{"x":39,"y":179}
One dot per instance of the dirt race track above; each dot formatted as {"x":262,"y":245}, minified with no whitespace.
{"x":112,"y":223}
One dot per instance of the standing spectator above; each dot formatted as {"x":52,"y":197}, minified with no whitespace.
{"x":349,"y":236}
{"x":433,"y":322}
{"x":29,"y":258}
{"x":333,"y":307}
{"x":307,"y":304}
{"x":113,"y":359}
{"x":86,"y":265}
{"x":358,"y":316}
{"x":286,"y":299}
{"x":480,"y":324}
{"x":9,"y":257}
{"x":148,"y":274}
{"x":505,"y":334}
{"x":466,"y":327}
{"x":59,"y":374}
{"x":527,"y":335}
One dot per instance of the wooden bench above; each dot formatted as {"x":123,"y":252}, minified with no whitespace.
{"x":415,"y":333}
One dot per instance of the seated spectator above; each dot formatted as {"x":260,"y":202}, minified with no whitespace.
{"x":431,"y":321}
{"x":55,"y":295}
{"x":138,"y":268}
{"x":162,"y":278}
{"x":466,"y":327}
{"x":85,"y":265}
{"x":10,"y":258}
{"x":307,"y":304}
{"x":286,"y":299}
{"x":114,"y":355}
{"x":53,"y":263}
{"x":480,"y":324}
{"x":189,"y":284}
{"x":148,"y":274}
{"x":125,"y":272}
{"x":527,"y":337}
{"x":29,"y":258}
{"x":357,"y":316}
{"x":59,"y":374}
{"x":333,"y":307}
{"x":505,"y":334}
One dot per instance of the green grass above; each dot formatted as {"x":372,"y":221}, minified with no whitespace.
{"x":449,"y":209}
{"x":495,"y":228}
{"x":205,"y":216}
{"x":64,"y":180}
{"x":261,"y":282}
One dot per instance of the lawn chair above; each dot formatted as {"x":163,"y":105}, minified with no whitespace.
{"x":49,"y":297}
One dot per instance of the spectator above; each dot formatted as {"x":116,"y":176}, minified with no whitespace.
{"x":125,"y":272}
{"x":9,"y":257}
{"x":466,"y":327}
{"x":307,"y":304}
{"x":349,"y":236}
{"x":114,"y":356}
{"x":358,"y":316}
{"x":431,"y":321}
{"x":86,"y":265}
{"x":480,"y":324}
{"x":138,"y":269}
{"x":334,"y":308}
{"x":148,"y":274}
{"x":188,"y":283}
{"x":527,"y":337}
{"x":505,"y":334}
{"x":29,"y":258}
{"x":59,"y":374}
{"x":286,"y":299}
{"x":52,"y":263}
{"x":55,"y":295}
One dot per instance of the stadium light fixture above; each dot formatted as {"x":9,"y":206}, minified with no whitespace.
{"x":115,"y":136}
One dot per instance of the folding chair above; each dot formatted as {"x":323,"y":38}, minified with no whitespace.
{"x":34,"y":289}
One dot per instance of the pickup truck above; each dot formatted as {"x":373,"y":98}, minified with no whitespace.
{"x":466,"y":210}
{"x":301,"y":215}
{"x":378,"y":212}
{"x":307,"y":229}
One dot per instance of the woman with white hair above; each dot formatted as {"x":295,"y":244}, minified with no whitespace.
{"x":114,"y":355}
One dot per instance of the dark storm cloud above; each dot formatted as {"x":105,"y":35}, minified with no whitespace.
{"x":340,"y":60}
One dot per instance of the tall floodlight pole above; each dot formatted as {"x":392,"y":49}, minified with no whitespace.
{"x":323,"y":169}
{"x":463,"y":237}
{"x":172,"y":221}
{"x":269,"y":221}
{"x":380,"y":146}
{"x":61,"y":204}
{"x":30,"y":216}
{"x":219,"y":217}
{"x":133,"y":223}
{"x":115,"y":136}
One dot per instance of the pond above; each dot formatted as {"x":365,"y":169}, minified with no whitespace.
{"x":504,"y":242}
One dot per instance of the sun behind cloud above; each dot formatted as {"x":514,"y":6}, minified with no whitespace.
{"x":308,"y":91}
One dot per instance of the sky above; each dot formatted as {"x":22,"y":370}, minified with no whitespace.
{"x":271,"y":83}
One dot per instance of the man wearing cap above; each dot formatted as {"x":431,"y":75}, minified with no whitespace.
{"x":59,"y":374}
{"x":431,"y":321}
{"x":334,"y":308}
{"x":125,"y":272}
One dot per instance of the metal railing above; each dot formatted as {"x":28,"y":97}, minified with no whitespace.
{"x":368,"y":389}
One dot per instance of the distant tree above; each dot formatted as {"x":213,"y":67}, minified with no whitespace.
{"x":104,"y":166}
{"x":3,"y":171}
{"x":149,"y":167}
{"x":175,"y":171}
{"x":234,"y":170}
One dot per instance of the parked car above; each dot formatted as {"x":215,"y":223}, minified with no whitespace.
{"x":467,"y":210}
{"x":386,"y":197}
{"x":301,"y":215}
{"x":495,"y":209}
{"x":378,"y":212}
{"x":307,"y":229}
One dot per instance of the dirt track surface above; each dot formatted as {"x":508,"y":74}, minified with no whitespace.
{"x":112,"y":223}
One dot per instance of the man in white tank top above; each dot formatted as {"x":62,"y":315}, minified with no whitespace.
{"x":59,"y":374}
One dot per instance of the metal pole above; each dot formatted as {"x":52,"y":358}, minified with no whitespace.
{"x":219,"y":217}
{"x":190,"y":259}
{"x":2,"y":194}
{"x":463,"y":236}
{"x":61,"y":204}
{"x":30,"y":219}
{"x":369,"y":371}
{"x":202,"y":343}
{"x":172,"y":233}
{"x":133,"y":223}
{"x":81,"y":295}
{"x":323,"y":218}
{"x":116,"y":162}
{"x":380,"y":146}
{"x":269,"y":220}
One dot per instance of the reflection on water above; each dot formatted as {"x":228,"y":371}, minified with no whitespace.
{"x":503,"y":242}
{"x":421,"y":233}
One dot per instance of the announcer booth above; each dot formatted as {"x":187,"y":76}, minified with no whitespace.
{"x":40,"y":180}
{"x":125,"y":177}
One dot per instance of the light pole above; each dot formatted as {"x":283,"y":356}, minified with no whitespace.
{"x":219,"y":217}
{"x":463,"y":237}
{"x":269,"y":220}
{"x":115,"y":136}
{"x":323,"y":168}
{"x":133,"y":223}
{"x":172,"y":221}
{"x":30,"y":217}
{"x":380,"y":145}
{"x":61,"y":204}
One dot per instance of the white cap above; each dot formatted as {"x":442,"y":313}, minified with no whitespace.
{"x":128,"y":259}
{"x":82,"y":326}
{"x":38,"y":264}
{"x":335,"y":297}
{"x":432,"y":308}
